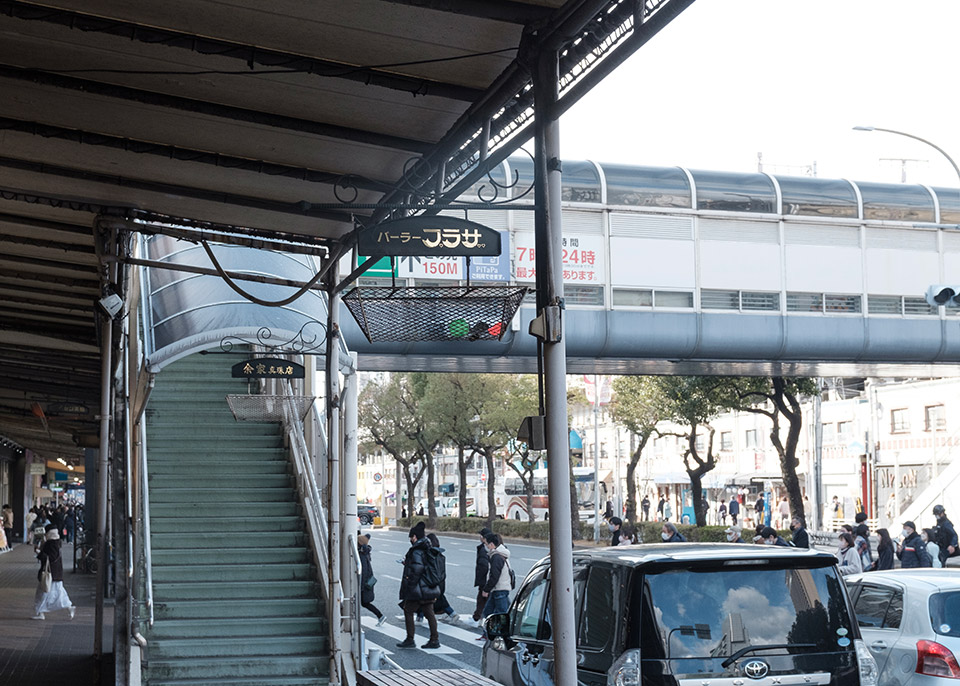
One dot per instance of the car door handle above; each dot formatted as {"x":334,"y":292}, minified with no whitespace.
{"x":878,"y":645}
{"x":525,"y":658}
{"x":535,"y":660}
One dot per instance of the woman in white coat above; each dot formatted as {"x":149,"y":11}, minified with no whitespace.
{"x":850,"y":562}
{"x":56,"y":598}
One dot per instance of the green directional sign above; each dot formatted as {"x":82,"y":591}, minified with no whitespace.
{"x":381,"y":267}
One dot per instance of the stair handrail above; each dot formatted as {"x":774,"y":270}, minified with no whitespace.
{"x":147,"y":548}
{"x":357,"y":633}
{"x":937,"y":466}
{"x":306,"y":480}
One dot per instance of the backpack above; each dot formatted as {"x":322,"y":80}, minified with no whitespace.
{"x":434,"y":567}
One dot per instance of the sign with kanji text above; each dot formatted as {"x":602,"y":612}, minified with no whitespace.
{"x":583,"y":258}
{"x":429,"y":236}
{"x":431,"y":268}
{"x":267,"y":368}
{"x":493,"y":268}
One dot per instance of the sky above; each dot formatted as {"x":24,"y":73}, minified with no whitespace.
{"x":789,"y":79}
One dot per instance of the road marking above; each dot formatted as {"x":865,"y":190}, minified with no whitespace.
{"x":393,"y":578}
{"x":529,"y":559}
{"x":399,"y":634}
{"x":463,"y":597}
{"x":457,"y":632}
{"x":453,"y":564}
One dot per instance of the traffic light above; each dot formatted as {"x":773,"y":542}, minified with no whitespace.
{"x":939,"y":294}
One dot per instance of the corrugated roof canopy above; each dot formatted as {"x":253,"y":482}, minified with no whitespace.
{"x":259,"y":116}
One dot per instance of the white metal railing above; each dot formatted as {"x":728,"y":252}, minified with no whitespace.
{"x":147,"y":548}
{"x":356,"y":640}
{"x":306,"y":483}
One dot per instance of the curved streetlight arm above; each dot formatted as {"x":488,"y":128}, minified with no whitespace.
{"x":916,"y":138}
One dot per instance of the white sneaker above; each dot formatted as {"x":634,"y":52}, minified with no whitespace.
{"x":73,"y":611}
{"x":382,"y":620}
{"x":39,"y":615}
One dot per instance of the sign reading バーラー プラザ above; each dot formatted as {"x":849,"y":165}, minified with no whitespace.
{"x":435,"y":236}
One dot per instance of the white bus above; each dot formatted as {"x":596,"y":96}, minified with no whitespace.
{"x":516,"y":507}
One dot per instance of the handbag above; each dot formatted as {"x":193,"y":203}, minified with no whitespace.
{"x":46,"y":578}
{"x":370,"y":583}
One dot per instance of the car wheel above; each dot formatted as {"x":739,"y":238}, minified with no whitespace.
{"x":366,"y":519}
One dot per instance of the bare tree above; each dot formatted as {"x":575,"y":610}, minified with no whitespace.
{"x":638,"y":406}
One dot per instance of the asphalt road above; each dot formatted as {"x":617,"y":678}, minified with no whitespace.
{"x":460,"y":648}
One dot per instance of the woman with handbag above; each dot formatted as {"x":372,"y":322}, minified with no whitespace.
{"x":367,"y":579}
{"x":51,"y":595}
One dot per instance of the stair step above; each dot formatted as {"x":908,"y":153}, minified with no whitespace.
{"x":257,"y":481}
{"x":237,"y":627}
{"x":281,"y":539}
{"x":205,"y":441}
{"x":218,"y":468}
{"x":189,"y":453}
{"x":241,"y":681}
{"x":266,"y":646}
{"x":215,"y":668}
{"x":238,"y":556}
{"x":192,"y":494}
{"x":205,"y":509}
{"x":181,"y":524}
{"x":227,"y":570}
{"x":250,"y":609}
{"x":232,"y":590}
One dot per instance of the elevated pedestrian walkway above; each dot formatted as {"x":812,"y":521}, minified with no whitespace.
{"x":57,"y":650}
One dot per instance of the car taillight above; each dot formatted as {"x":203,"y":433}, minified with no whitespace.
{"x":626,"y":670}
{"x":869,"y":674}
{"x":934,"y":659}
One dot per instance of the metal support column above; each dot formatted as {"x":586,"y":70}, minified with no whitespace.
{"x":348,"y":465}
{"x":333,"y":469}
{"x":550,"y":294}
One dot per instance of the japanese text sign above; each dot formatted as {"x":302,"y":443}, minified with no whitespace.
{"x":583,"y":258}
{"x":436,"y":236}
{"x":267,"y":368}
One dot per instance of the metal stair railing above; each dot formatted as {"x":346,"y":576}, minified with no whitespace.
{"x":306,"y":482}
{"x":939,"y":462}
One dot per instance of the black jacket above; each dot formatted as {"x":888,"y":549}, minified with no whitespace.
{"x":946,"y":536}
{"x":366,"y":572}
{"x":50,"y":550}
{"x":884,"y":558}
{"x":800,"y":538}
{"x":616,"y":536}
{"x":482,"y":568}
{"x":412,"y":585}
{"x":913,"y":552}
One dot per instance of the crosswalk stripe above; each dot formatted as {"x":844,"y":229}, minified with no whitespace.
{"x":400,"y":634}
{"x":394,"y":578}
{"x":463,"y":597}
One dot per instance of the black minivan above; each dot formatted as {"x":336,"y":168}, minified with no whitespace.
{"x":688,"y":614}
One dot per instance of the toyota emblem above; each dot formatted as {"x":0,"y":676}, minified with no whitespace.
{"x":755,"y":669}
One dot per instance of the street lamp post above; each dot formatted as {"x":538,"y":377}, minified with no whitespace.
{"x":916,"y":138}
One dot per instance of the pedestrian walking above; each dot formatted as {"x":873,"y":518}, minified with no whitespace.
{"x":70,"y":524}
{"x":800,"y":538}
{"x":771,"y":537}
{"x":849,"y":558}
{"x":884,"y":551}
{"x":441,"y":605}
{"x":861,"y":534}
{"x":616,"y":531}
{"x":929,"y":538}
{"x":55,"y":596}
{"x":946,"y":537}
{"x":367,"y":579}
{"x":722,"y":513}
{"x":734,"y":510}
{"x":667,"y":511}
{"x":7,"y":516}
{"x":669,"y":533}
{"x":912,"y":553}
{"x":416,"y":594}
{"x":497,"y":587}
{"x":758,"y":509}
{"x":481,"y":570}
{"x":645,"y":508}
{"x":660,"y":506}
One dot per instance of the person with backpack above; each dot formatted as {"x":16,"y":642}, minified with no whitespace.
{"x":419,"y":587}
{"x":500,"y":578}
{"x":946,"y":535}
{"x":441,"y":605}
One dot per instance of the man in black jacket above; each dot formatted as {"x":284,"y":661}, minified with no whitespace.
{"x":480,"y":571}
{"x":416,"y":596}
{"x":913,"y":551}
{"x":946,"y":535}
{"x":800,"y":538}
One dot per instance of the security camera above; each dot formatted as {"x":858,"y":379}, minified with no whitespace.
{"x":111,"y":303}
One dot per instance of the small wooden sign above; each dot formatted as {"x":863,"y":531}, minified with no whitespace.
{"x":267,"y":368}
{"x":61,"y":409}
{"x":429,"y":236}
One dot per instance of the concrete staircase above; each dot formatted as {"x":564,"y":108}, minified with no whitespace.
{"x":236,"y":596}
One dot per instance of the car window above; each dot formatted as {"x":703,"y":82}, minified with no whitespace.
{"x":597,"y":616}
{"x":945,"y":613}
{"x":714,"y":612}
{"x":528,"y":610}
{"x":879,"y":607}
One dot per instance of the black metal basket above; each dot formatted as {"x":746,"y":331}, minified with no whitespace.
{"x":434,"y":313}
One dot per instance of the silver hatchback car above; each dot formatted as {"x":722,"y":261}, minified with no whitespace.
{"x":910,"y":621}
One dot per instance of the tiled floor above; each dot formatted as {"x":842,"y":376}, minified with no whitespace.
{"x":56,"y":651}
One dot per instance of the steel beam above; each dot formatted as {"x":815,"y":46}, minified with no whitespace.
{"x":244,"y":53}
{"x":176,"y":102}
{"x":497,"y":10}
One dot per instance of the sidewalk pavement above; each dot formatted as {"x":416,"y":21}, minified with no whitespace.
{"x":56,"y":650}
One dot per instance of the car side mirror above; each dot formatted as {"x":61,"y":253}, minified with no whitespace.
{"x":498,"y":625}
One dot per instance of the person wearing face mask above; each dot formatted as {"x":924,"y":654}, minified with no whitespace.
{"x":669,"y":534}
{"x":733,"y":534}
{"x":884,"y":551}
{"x":800,"y":539}
{"x":913,"y":552}
{"x":615,"y":525}
{"x":929,"y":539}
{"x":850,"y":562}
{"x":770,"y":537}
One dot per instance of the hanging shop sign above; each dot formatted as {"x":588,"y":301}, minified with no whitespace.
{"x":61,"y":409}
{"x":267,"y":368}
{"x":429,"y":236}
